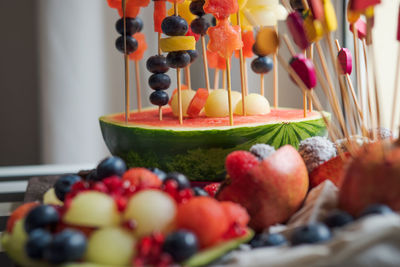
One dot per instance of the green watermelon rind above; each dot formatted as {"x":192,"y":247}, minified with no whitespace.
{"x":200,"y":152}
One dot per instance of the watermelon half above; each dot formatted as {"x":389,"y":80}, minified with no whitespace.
{"x":198,"y":147}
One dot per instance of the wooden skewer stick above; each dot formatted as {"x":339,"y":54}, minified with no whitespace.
{"x":242,"y":66}
{"x":358,"y":67}
{"x":178,"y":80}
{"x":216,"y":79}
{"x":262,"y":84}
{"x":159,"y":47}
{"x":245,"y":76}
{"x":187,"y":77}
{"x":126,"y":63}
{"x":369,"y":100}
{"x":396,"y":91}
{"x":228,"y":80}
{"x":205,"y":62}
{"x":138,"y":87}
{"x":276,"y":76}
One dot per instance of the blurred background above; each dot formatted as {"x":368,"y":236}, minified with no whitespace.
{"x":60,"y":71}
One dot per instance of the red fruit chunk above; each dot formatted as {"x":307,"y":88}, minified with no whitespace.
{"x":142,"y":47}
{"x":296,"y":27}
{"x":191,"y":33}
{"x":345,"y":61}
{"x":361,"y":28}
{"x":212,"y":189}
{"x":224,"y":39}
{"x":183,"y":87}
{"x":140,"y":3}
{"x":361,"y":5}
{"x":175,"y":1}
{"x":142,"y":178}
{"x":330,"y":170}
{"x":248,"y":42}
{"x":239,"y":163}
{"x":131,"y":11}
{"x":221,"y":9}
{"x":317,"y":9}
{"x":198,"y":102}
{"x":236,"y":214}
{"x":205,"y":217}
{"x":305,"y":69}
{"x":114,"y":3}
{"x":160,"y":12}
{"x":215,"y":61}
{"x":18,"y":214}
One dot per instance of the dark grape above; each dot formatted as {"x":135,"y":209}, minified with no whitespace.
{"x":200,"y":25}
{"x":338,"y":219}
{"x":38,"y":240}
{"x":179,"y":178}
{"x":311,"y":234}
{"x":64,"y":184}
{"x":133,"y":25}
{"x":196,"y":7}
{"x":157,"y":64}
{"x":181,"y":245}
{"x":159,"y":81}
{"x":159,"y":98}
{"x":193,"y":55}
{"x":262,"y":65}
{"x":178,"y":59}
{"x":376,"y":209}
{"x":42,"y":216}
{"x":110,"y":166}
{"x":174,"y":26}
{"x":131,"y":44}
{"x":268,"y":240}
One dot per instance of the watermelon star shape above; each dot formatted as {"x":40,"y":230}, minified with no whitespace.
{"x":224,"y":39}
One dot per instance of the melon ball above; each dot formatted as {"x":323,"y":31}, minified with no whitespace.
{"x":152,"y":210}
{"x":217,"y":104}
{"x":92,"y":209}
{"x":111,"y":246}
{"x":187,"y":96}
{"x":256,"y":104}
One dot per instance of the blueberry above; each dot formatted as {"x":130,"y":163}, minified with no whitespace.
{"x":159,"y":98}
{"x":110,"y":166}
{"x":131,"y":44}
{"x":376,"y":209}
{"x":268,"y":240}
{"x":41,"y":217}
{"x":181,"y":245}
{"x":262,"y":65}
{"x":311,"y":234}
{"x":338,"y":219}
{"x":64,"y":184}
{"x":161,"y":174}
{"x":157,"y":64}
{"x":159,"y":81}
{"x":196,"y":7}
{"x":200,"y":25}
{"x":92,"y":176}
{"x":69,"y":245}
{"x":178,"y":59}
{"x":38,"y":240}
{"x":174,"y":26}
{"x":180,"y":179}
{"x":200,"y":192}
{"x":193,"y":54}
{"x":133,"y":25}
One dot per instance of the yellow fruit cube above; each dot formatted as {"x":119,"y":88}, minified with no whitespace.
{"x":183,"y":11}
{"x":330,"y":16}
{"x":177,"y":43}
{"x":314,"y":29}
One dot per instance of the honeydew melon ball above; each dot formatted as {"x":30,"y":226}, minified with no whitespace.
{"x":256,"y":104}
{"x":152,"y":210}
{"x":92,"y":209}
{"x":263,"y":16}
{"x":50,"y":198}
{"x":217,"y":103}
{"x":111,"y":246}
{"x":187,"y":96}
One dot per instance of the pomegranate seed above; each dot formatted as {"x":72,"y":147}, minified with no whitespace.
{"x":184,"y":195}
{"x":121,"y":202}
{"x":99,"y":186}
{"x":171,"y":187}
{"x":234,"y":231}
{"x":130,"y":225}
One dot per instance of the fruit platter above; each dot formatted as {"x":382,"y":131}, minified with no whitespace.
{"x":218,"y":177}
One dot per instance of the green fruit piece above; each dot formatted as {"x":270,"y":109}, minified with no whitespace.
{"x":92,"y":209}
{"x":211,"y":254}
{"x":111,"y":246}
{"x":199,"y":147}
{"x":152,"y":210}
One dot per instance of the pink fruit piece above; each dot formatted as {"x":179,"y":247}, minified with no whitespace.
{"x":361,"y":5}
{"x":296,"y":27}
{"x":305,"y":69}
{"x":239,"y":163}
{"x":361,"y":27}
{"x":317,"y":9}
{"x":345,"y":61}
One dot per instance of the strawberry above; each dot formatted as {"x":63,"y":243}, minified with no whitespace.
{"x":238,"y":163}
{"x":331,"y":169}
{"x":212,"y":189}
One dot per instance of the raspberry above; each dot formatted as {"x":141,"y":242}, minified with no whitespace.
{"x":212,"y":189}
{"x":238,"y":163}
{"x":142,"y":178}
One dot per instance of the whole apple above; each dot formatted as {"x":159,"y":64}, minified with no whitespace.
{"x":272,"y":191}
